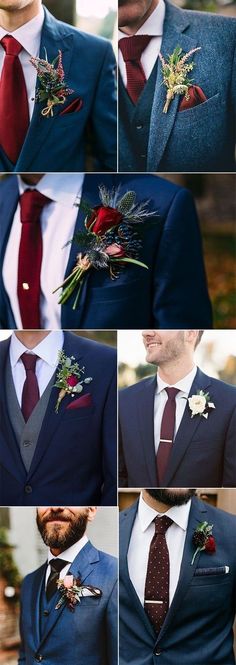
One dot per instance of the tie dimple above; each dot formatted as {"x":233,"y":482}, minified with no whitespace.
{"x":11,"y":45}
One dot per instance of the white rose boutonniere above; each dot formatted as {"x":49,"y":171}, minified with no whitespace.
{"x":200,"y":404}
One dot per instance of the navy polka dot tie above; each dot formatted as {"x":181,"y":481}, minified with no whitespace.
{"x":156,"y":596}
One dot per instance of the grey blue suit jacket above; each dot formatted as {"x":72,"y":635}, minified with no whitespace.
{"x":86,"y":637}
{"x":198,"y":626}
{"x":204,"y":451}
{"x":202,"y":138}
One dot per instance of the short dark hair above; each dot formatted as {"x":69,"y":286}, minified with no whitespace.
{"x":198,"y":338}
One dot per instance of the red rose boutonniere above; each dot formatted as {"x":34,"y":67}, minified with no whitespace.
{"x":72,"y":591}
{"x":203,"y":539}
{"x":52,"y":86}
{"x":68,"y":378}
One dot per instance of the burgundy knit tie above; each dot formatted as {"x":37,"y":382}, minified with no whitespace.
{"x":14,"y":108}
{"x":156,"y":598}
{"x":167,"y":433}
{"x":30,"y":393}
{"x":132,"y":49}
{"x":30,"y":258}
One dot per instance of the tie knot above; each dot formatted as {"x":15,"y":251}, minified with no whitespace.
{"x":133,"y":47}
{"x":172,"y":392}
{"x":162,"y":524}
{"x":11,"y":45}
{"x":31,"y":204}
{"x":57,"y":565}
{"x":29,"y":361}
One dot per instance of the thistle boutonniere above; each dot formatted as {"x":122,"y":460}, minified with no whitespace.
{"x":52,"y":86}
{"x":200,"y":404}
{"x":68,"y":378}
{"x":203,"y":540}
{"x":175,"y":74}
{"x":110,"y":239}
{"x":72,"y":591}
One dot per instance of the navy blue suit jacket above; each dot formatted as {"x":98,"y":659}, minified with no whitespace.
{"x":198,"y":626}
{"x":171,"y":294}
{"x":89,"y":635}
{"x":204,"y":451}
{"x":201,"y":138}
{"x":58,"y":142}
{"x":76,"y":455}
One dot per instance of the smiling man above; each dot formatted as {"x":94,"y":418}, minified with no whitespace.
{"x":195,"y":130}
{"x":43,"y":124}
{"x":177,"y":427}
{"x":65,"y":634}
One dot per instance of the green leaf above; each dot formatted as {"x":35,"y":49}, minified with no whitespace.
{"x":128,"y":260}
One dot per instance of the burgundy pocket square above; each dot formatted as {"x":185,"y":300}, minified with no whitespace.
{"x":196,"y":97}
{"x":81,"y":402}
{"x":74,"y":107}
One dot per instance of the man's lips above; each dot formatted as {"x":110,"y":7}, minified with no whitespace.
{"x":149,"y":345}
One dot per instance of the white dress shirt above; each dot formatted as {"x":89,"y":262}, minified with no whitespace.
{"x":141,"y":537}
{"x":58,"y":221}
{"x":29,"y":36}
{"x":68,"y":555}
{"x":161,"y":397}
{"x":152,"y":26}
{"x":47,"y":351}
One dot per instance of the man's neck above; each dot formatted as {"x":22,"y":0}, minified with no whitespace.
{"x":134,"y":25}
{"x":154,"y":503}
{"x":31,"y":339}
{"x":13,"y":19}
{"x":31,"y":178}
{"x":173,"y":372}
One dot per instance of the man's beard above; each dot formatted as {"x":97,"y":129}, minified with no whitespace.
{"x":171,"y":498}
{"x":57,"y":538}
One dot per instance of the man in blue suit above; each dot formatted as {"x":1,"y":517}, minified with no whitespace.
{"x":57,"y":420}
{"x":177,"y":427}
{"x":35,"y":136}
{"x":85,"y":632}
{"x":171,"y":293}
{"x":194,"y":599}
{"x":197,"y":131}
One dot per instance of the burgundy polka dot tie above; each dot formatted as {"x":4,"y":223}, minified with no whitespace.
{"x":156,"y":596}
{"x":167,"y":434}
{"x":132,"y":49}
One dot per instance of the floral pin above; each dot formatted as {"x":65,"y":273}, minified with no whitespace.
{"x":68,"y":378}
{"x":110,"y":239}
{"x":53,"y":89}
{"x":203,"y":540}
{"x":200,"y":404}
{"x":175,"y":74}
{"x":72,"y":591}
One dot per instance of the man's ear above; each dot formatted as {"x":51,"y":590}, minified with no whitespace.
{"x":191,"y":336}
{"x":91,"y":513}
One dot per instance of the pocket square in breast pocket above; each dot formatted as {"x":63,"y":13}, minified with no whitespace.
{"x":196,"y":97}
{"x":74,"y":107}
{"x":216,"y":570}
{"x":81,"y":402}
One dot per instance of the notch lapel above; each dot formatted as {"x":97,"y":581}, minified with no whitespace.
{"x":187,"y":429}
{"x":145,"y":417}
{"x":9,"y":201}
{"x":161,"y":124}
{"x":36,"y":592}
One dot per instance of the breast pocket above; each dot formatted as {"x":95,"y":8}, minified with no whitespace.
{"x":199,"y":114}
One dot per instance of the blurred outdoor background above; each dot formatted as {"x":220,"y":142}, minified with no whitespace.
{"x":97,"y":17}
{"x":22,"y":551}
{"x":215,"y":355}
{"x":102,"y":336}
{"x":226,"y":7}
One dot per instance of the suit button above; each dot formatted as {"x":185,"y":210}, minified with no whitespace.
{"x":26,"y":443}
{"x":143,"y":156}
{"x":28,"y":489}
{"x":46,"y":613}
{"x":158,"y":652}
{"x":139,"y":126}
{"x":38,"y":657}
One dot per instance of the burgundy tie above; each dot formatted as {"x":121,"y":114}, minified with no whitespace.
{"x":14,"y":108}
{"x":132,"y":49}
{"x":167,"y":433}
{"x":156,"y":595}
{"x":30,"y":258}
{"x":30,"y":393}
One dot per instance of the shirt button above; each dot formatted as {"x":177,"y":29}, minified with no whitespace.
{"x":28,"y":489}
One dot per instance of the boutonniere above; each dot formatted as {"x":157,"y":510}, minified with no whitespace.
{"x":200,"y":404}
{"x":203,"y":539}
{"x":110,"y":239}
{"x":175,"y":74}
{"x":68,"y":378}
{"x":52,"y":85}
{"x":72,"y":591}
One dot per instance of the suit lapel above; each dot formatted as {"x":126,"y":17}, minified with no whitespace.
{"x":37,"y":588}
{"x":187,"y":429}
{"x":53,"y":39}
{"x":145,"y":416}
{"x":161,"y":124}
{"x":10,"y":453}
{"x":9,"y":201}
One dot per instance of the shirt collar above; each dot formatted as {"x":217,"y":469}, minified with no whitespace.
{"x":47,"y":350}
{"x":153,"y":25}
{"x":29,"y":34}
{"x":183,"y":385}
{"x":71,"y":553}
{"x":63,"y":188}
{"x":179,"y":514}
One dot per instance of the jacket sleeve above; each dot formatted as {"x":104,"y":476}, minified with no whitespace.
{"x":104,"y":114}
{"x":180,"y":290}
{"x":109,"y":454}
{"x":229,"y":471}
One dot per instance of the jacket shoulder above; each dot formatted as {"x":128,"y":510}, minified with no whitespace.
{"x":138,"y":387}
